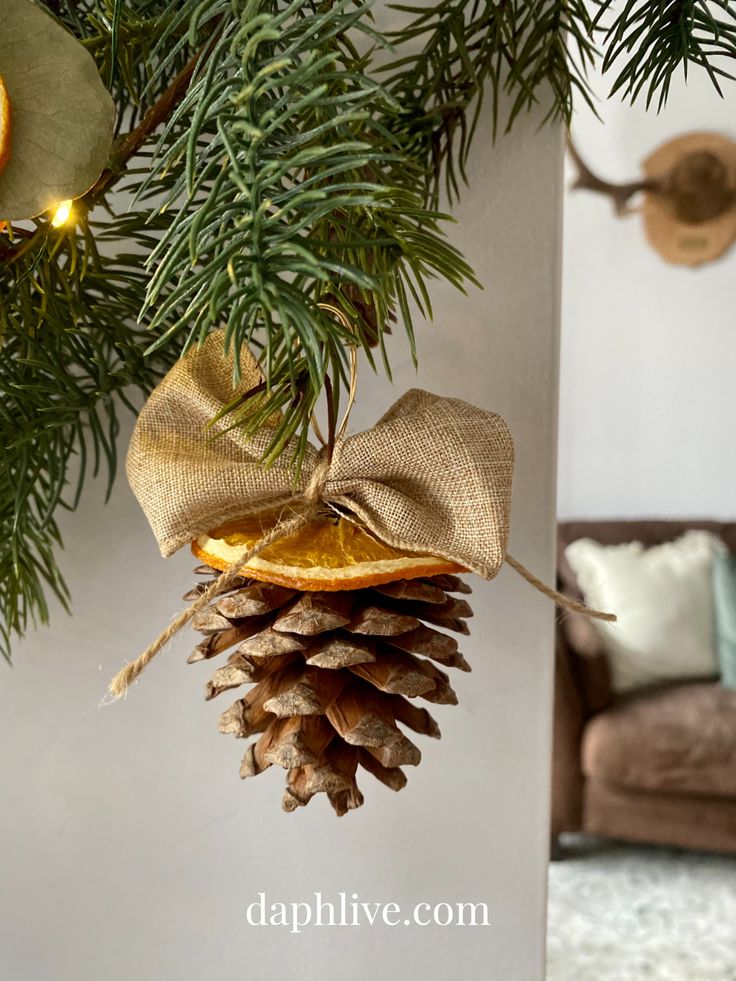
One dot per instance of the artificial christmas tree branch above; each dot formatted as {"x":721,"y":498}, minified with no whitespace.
{"x":656,"y":39}
{"x":159,"y":113}
{"x":536,"y":54}
{"x":294,"y":168}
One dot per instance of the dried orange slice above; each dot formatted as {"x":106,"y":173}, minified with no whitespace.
{"x":328,"y":554}
{"x":5,"y":125}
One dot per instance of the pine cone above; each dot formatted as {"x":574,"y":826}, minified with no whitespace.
{"x":332,"y":675}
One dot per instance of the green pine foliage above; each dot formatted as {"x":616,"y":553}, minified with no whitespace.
{"x":287,"y":187}
{"x":654,"y":40}
{"x":272,"y":155}
{"x":535,"y":54}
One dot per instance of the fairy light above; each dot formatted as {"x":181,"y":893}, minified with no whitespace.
{"x":62,"y":214}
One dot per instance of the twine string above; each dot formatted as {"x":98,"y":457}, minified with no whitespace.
{"x":566,"y":602}
{"x":119,"y":685}
{"x":304,"y":509}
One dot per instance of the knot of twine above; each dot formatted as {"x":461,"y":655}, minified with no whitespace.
{"x":303,"y":509}
{"x":314,"y":491}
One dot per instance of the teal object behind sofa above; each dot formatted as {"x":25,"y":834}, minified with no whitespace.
{"x":724,"y":594}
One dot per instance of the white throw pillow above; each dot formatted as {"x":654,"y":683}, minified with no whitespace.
{"x":663,"y":597}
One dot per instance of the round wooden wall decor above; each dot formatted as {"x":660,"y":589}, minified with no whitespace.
{"x":691,"y":217}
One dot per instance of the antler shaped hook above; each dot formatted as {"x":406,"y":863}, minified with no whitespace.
{"x":620,"y":194}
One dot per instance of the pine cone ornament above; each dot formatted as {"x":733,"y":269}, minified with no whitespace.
{"x":335,"y":674}
{"x":339,"y":592}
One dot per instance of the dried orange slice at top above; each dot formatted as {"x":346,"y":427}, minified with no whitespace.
{"x":5,"y":125}
{"x":328,"y":554}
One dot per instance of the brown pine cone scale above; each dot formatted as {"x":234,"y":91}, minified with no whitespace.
{"x":334,"y":676}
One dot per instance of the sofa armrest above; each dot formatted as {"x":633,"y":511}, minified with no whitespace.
{"x":579,"y":641}
{"x":568,"y":723}
{"x":582,"y":688}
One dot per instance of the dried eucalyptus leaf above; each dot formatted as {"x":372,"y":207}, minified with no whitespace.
{"x":62,"y":114}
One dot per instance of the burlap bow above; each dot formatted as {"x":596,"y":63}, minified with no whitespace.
{"x":432,"y":476}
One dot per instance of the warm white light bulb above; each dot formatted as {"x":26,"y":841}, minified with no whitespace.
{"x":62,"y":214}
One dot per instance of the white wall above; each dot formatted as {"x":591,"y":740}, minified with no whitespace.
{"x":129,"y":848}
{"x":647,"y":387}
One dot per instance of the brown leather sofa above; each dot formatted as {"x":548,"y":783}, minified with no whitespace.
{"x":657,"y":765}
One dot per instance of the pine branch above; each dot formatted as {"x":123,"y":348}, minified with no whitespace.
{"x":159,"y":113}
{"x":71,"y":355}
{"x":656,"y":39}
{"x":298,"y":190}
{"x":535,"y":53}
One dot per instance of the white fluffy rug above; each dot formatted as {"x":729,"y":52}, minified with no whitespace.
{"x":631,"y":913}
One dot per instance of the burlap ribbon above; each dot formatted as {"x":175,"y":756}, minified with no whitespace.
{"x":433,"y":476}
